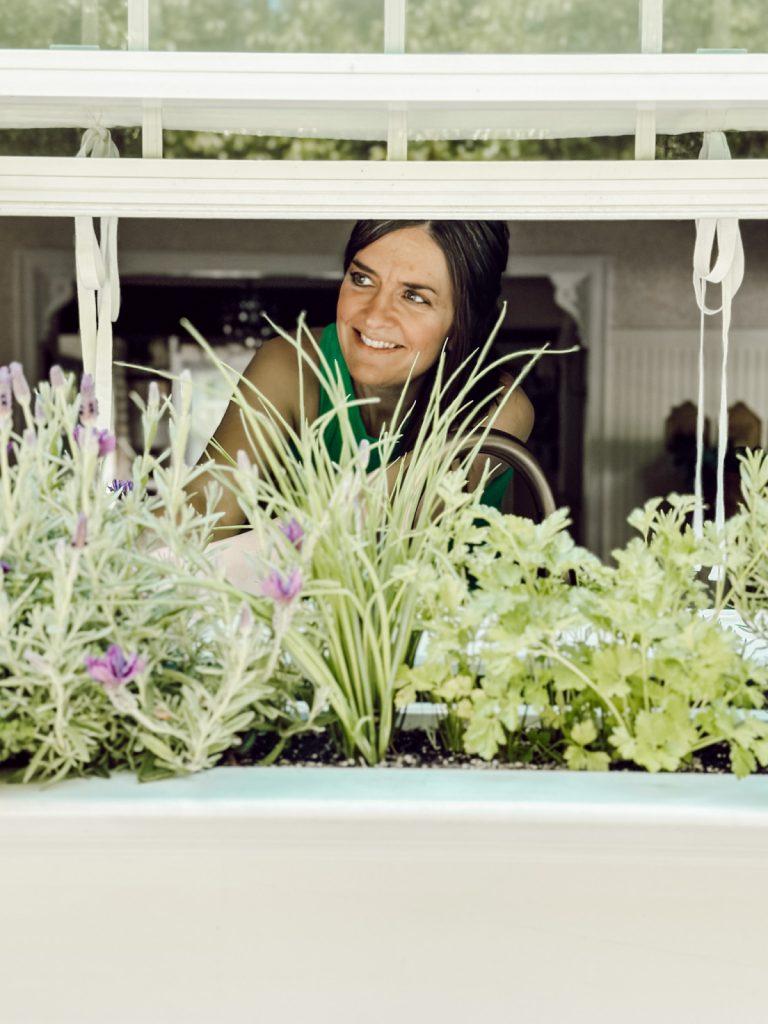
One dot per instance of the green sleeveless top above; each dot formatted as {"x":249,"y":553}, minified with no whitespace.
{"x":493,"y":494}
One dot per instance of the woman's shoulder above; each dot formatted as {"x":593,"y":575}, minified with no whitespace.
{"x":274,"y":370}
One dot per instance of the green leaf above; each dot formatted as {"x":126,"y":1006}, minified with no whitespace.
{"x":584,"y":732}
{"x":158,"y":748}
{"x":581,"y":760}
{"x":484,"y":735}
{"x":743,"y":761}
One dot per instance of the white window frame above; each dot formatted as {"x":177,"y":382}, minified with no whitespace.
{"x":371,"y":96}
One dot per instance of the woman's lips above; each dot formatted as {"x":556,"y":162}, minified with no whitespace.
{"x":368,"y":348}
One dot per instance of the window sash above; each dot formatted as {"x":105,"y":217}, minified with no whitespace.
{"x":253,"y":189}
{"x":200,"y":90}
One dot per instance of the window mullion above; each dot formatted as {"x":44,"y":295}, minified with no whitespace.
{"x":651,"y":41}
{"x":394,"y":42}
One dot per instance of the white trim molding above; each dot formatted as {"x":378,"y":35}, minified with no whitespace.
{"x":351,"y":95}
{"x":350,"y":189}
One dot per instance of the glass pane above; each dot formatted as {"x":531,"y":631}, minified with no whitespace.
{"x":232,"y":145}
{"x":690,"y":25}
{"x":291,"y":26}
{"x":62,"y":141}
{"x":42,"y":24}
{"x":522,"y":26}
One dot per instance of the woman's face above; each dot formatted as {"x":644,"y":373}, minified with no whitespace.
{"x":397,"y":290}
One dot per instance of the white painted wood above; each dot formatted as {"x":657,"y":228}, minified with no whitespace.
{"x":152,"y":131}
{"x":319,"y":190}
{"x":394,"y":42}
{"x":651,"y":41}
{"x":651,"y":26}
{"x":585,"y":94}
{"x":306,"y":894}
{"x":645,"y":135}
{"x":394,"y":26}
{"x":138,"y":24}
{"x":446,"y":78}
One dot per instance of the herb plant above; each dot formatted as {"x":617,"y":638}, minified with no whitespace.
{"x":622,"y":667}
{"x":111,"y":654}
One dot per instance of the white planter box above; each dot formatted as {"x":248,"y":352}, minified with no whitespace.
{"x":340,"y":895}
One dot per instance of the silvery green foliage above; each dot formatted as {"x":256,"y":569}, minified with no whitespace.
{"x":747,"y":546}
{"x":82,"y":577}
{"x":622,"y":667}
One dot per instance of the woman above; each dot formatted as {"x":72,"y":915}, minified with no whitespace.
{"x":408,"y":288}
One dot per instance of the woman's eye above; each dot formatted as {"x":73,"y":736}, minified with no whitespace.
{"x":422,"y":300}
{"x":355,"y":274}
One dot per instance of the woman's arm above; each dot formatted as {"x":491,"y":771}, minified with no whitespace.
{"x":274,"y":371}
{"x":516,"y":416}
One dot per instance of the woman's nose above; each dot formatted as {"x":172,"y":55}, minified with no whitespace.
{"x":378,"y":310}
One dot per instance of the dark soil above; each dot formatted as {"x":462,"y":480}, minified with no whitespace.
{"x":415,"y":749}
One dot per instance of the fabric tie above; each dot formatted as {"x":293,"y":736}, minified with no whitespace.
{"x":728,"y":272}
{"x":98,"y":284}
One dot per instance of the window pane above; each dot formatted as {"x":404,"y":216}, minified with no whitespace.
{"x":690,"y":25}
{"x":522,"y":26}
{"x":40,"y":24}
{"x":291,"y":26}
{"x":187,"y":145}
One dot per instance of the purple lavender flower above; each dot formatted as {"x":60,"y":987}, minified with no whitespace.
{"x":4,"y":566}
{"x":6,"y":400}
{"x":364,"y":454}
{"x":114,"y":668}
{"x":120,"y":487}
{"x":107,"y":442}
{"x":39,"y":409}
{"x":89,"y":404}
{"x":29,"y":438}
{"x":19,"y":384}
{"x":293,"y":532}
{"x":80,"y":536}
{"x":56,"y":377}
{"x":282,"y":589}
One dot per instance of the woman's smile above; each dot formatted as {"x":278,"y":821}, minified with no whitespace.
{"x":375,"y":344}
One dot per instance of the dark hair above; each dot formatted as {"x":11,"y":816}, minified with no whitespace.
{"x":476,"y":252}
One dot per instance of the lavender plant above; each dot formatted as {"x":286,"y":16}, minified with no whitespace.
{"x":622,"y":667}
{"x":112,"y":655}
{"x":747,"y":546}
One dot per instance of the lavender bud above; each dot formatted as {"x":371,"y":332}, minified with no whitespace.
{"x":56,"y":377}
{"x":80,"y":536}
{"x":29,"y":438}
{"x":243,"y":462}
{"x":6,"y":402}
{"x":19,"y":383}
{"x":89,"y":407}
{"x":245,"y":619}
{"x":39,"y":409}
{"x":364,"y":454}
